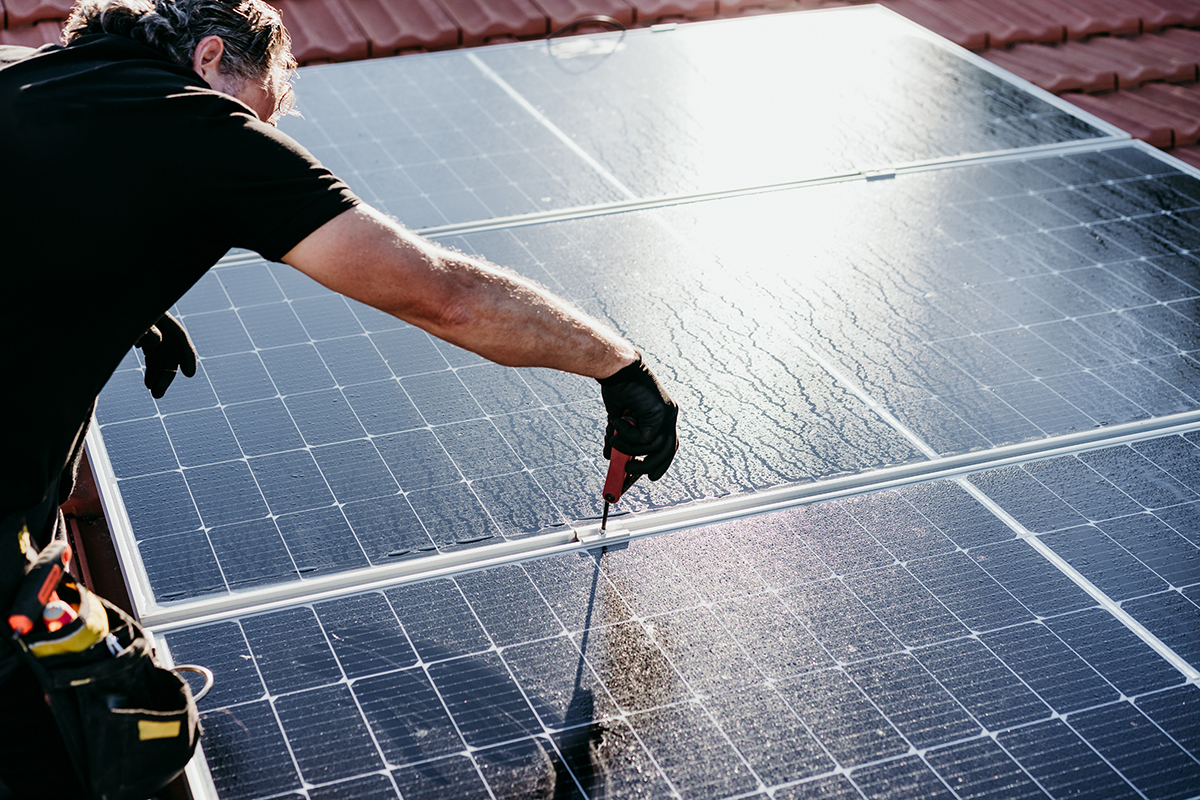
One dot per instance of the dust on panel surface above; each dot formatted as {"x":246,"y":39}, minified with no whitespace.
{"x":902,"y":643}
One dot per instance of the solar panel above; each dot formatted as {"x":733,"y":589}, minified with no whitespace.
{"x":881,"y":296}
{"x":648,"y":667}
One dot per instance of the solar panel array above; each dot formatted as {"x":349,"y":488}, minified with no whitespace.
{"x":1029,"y":629}
{"x":904,"y":643}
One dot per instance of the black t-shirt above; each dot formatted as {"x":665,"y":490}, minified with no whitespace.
{"x":126,"y":178}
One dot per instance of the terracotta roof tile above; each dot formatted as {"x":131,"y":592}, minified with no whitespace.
{"x":412,"y":25}
{"x":1189,"y":155}
{"x":26,"y":12}
{"x":47,"y":32}
{"x":1105,"y":63}
{"x":1158,"y":14}
{"x":481,"y":20}
{"x":945,"y":19}
{"x":564,"y":12}
{"x":649,"y":11}
{"x":322,"y":30}
{"x":1163,"y":114}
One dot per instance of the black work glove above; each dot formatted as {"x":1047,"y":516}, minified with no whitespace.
{"x":167,"y":349}
{"x":641,"y":420}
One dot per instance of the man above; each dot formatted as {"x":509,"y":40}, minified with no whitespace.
{"x":135,"y":157}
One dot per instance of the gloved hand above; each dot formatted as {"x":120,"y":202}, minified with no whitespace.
{"x":167,"y":349}
{"x":641,"y":420}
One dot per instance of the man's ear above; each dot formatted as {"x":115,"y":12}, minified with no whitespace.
{"x":206,"y":60}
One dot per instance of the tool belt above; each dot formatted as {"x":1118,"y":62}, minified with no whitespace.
{"x":129,"y":725}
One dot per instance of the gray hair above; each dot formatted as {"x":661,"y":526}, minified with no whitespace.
{"x":257,"y":46}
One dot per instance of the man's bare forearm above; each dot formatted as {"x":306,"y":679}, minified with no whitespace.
{"x":469,"y":302}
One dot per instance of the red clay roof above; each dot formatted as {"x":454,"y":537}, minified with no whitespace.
{"x":1133,"y":63}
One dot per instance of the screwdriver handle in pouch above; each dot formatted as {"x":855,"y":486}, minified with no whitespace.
{"x":38,"y":586}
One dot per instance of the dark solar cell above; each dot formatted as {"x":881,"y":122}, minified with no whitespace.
{"x":1104,"y":562}
{"x":326,"y":316}
{"x":841,"y":717}
{"x":775,"y":639}
{"x":291,"y":650}
{"x":768,"y":733}
{"x":1174,"y":712}
{"x":1082,"y":488}
{"x":406,"y":716}
{"x":692,"y":752}
{"x":365,"y":635}
{"x":979,"y":767}
{"x":703,"y":652}
{"x":1173,"y":619}
{"x":563,"y":689}
{"x":387,"y":528}
{"x":455,"y":776}
{"x":485,"y":703}
{"x":354,"y":471}
{"x":298,"y":368}
{"x":842,"y":624}
{"x":201,"y":437}
{"x":226,"y":493}
{"x":181,"y":566}
{"x":835,"y":787}
{"x":1062,"y":763}
{"x":1162,"y":550}
{"x":903,"y":777}
{"x":272,"y":325}
{"x":912,"y":700}
{"x":957,"y":514}
{"x":270,"y":563}
{"x":125,"y":398}
{"x":246,"y":752}
{"x":1114,"y":651}
{"x":438,"y":620}
{"x":139,"y":448}
{"x":909,"y":611}
{"x":320,"y":541}
{"x":238,"y":378}
{"x":217,"y":333}
{"x":158,"y":505}
{"x":352,"y":360}
{"x":371,"y":787}
{"x":323,"y":417}
{"x":263,"y":427}
{"x":508,"y":605}
{"x":968,"y":592}
{"x":1132,"y":744}
{"x":1059,"y":676}
{"x":249,"y":285}
{"x":312,"y":719}
{"x":991,"y":692}
{"x":1028,"y":576}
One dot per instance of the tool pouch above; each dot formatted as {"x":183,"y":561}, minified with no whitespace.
{"x":130,"y":726}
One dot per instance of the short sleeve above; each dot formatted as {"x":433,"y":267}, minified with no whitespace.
{"x":258,"y":187}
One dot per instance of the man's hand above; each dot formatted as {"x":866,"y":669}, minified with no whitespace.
{"x":167,"y":348}
{"x":641,"y":420}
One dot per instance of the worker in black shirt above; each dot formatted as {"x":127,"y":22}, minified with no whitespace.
{"x":136,"y":156}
